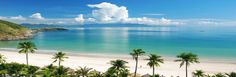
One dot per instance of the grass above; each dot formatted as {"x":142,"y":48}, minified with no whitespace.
{"x":11,"y":30}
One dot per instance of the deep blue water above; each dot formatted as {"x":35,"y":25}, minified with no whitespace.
{"x":206,"y":41}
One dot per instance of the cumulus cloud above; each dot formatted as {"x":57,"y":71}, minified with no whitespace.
{"x":19,"y":17}
{"x":79,"y":18}
{"x":110,"y":13}
{"x":107,"y":12}
{"x":37,"y":16}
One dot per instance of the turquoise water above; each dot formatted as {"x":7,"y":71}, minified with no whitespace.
{"x":206,"y":41}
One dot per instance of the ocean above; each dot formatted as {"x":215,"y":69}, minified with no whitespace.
{"x":205,"y":41}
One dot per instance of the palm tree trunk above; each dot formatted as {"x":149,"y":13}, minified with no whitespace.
{"x":136,"y":67}
{"x":153,"y":71}
{"x":27,"y":59}
{"x":186,"y":69}
{"x":59,"y":63}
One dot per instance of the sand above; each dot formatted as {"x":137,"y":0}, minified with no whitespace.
{"x":100,"y":62}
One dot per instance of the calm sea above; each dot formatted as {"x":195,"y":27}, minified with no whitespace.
{"x":206,"y":41}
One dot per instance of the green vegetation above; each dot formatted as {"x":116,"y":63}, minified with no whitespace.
{"x":2,"y":59}
{"x":12,"y":31}
{"x":199,"y":73}
{"x":59,"y":56}
{"x":83,"y":71}
{"x":118,"y":69}
{"x":49,"y":29}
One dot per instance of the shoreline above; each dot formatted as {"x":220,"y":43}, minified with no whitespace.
{"x":101,"y":62}
{"x":123,"y":56}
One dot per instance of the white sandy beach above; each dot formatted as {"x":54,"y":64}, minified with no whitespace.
{"x":101,"y":63}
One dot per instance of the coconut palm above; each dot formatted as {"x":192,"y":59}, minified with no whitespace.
{"x":2,"y":59}
{"x":135,"y":54}
{"x":118,"y":68}
{"x":27,"y":47}
{"x":59,"y":56}
{"x":62,"y":71}
{"x":198,"y":73}
{"x":83,"y":71}
{"x":32,"y":70}
{"x":48,"y":71}
{"x":232,"y":74}
{"x":219,"y":75}
{"x":187,"y":59}
{"x":154,"y":61}
{"x":95,"y":73}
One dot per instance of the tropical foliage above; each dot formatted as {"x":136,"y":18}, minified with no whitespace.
{"x":199,"y":73}
{"x":2,"y":59}
{"x":118,"y":69}
{"x":59,"y":56}
{"x":26,"y":48}
{"x":154,"y":61}
{"x":135,"y":54}
{"x":187,"y":59}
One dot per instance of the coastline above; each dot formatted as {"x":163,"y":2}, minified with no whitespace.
{"x":100,"y":62}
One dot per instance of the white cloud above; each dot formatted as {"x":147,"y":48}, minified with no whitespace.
{"x":37,"y":16}
{"x":19,"y":17}
{"x":107,"y":12}
{"x":80,"y":18}
{"x":154,"y":14}
{"x":151,"y":21}
{"x":2,"y":17}
{"x":208,"y":23}
{"x":111,"y":13}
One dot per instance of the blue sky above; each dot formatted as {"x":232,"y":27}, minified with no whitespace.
{"x":168,"y":9}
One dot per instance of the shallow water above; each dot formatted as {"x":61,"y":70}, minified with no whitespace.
{"x":206,"y":41}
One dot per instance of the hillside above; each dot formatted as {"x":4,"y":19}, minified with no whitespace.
{"x":12,"y":31}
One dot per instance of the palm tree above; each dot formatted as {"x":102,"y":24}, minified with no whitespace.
{"x":83,"y":71}
{"x":59,"y":56}
{"x":232,"y":74}
{"x":62,"y":71}
{"x":118,"y":68}
{"x":27,"y":47}
{"x":154,"y":61}
{"x":48,"y":71}
{"x":32,"y":70}
{"x":135,"y":54}
{"x":95,"y":73}
{"x":219,"y":75}
{"x":2,"y":59}
{"x":187,"y":58}
{"x":199,"y":73}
